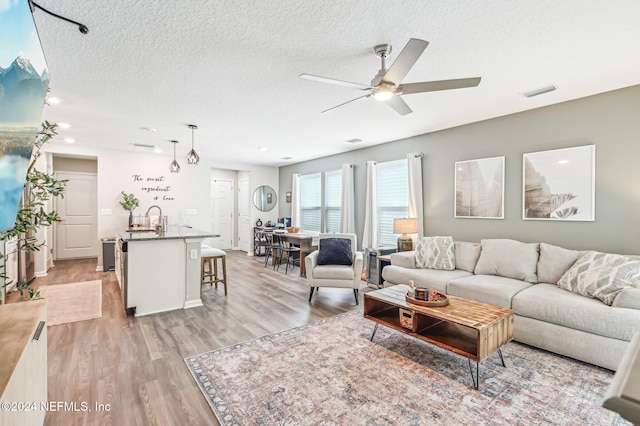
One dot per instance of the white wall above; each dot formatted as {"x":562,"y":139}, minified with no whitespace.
{"x":129,"y":171}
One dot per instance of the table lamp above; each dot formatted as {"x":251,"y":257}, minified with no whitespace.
{"x":405,"y":226}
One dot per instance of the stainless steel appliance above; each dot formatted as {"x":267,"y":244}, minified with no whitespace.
{"x":121,"y":257}
{"x":374,"y":277}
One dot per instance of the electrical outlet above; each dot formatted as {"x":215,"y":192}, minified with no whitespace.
{"x":194,"y":254}
{"x":192,"y":211}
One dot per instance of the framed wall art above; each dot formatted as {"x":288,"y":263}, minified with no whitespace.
{"x":559,"y":184}
{"x":479,"y":186}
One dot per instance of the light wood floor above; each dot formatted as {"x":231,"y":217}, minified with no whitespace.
{"x":137,"y":364}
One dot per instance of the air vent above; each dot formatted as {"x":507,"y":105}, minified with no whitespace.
{"x":540,"y":91}
{"x":142,"y":145}
{"x":356,"y":140}
{"x":287,"y":158}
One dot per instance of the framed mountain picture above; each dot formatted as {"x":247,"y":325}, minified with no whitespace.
{"x":479,"y":186}
{"x":559,"y":184}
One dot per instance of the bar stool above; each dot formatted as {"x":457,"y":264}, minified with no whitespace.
{"x":210,"y":256}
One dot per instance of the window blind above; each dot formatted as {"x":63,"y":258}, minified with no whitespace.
{"x":310,"y":202}
{"x":393,"y":198}
{"x":332,"y":200}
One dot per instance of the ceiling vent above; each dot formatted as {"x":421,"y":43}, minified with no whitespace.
{"x":540,"y":91}
{"x":142,"y":145}
{"x":356,"y":140}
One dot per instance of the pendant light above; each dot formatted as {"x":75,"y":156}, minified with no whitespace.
{"x":192,"y":157}
{"x":174,"y":167}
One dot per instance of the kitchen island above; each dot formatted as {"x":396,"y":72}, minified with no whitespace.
{"x":159,"y":272}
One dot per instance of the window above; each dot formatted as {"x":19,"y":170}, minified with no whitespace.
{"x":332,"y":200}
{"x":320,"y":201}
{"x":393,"y":198}
{"x":310,"y":202}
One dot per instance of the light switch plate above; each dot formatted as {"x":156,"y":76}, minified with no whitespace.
{"x":192,"y":211}
{"x":194,"y":254}
{"x":105,"y":212}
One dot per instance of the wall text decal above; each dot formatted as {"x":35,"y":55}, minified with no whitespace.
{"x":154,"y":185}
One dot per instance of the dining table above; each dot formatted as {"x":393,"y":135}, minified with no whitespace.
{"x":307,"y":241}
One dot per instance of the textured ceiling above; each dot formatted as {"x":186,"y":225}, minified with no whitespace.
{"x":232,"y":68}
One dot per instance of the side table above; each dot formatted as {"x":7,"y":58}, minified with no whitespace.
{"x":383,"y":261}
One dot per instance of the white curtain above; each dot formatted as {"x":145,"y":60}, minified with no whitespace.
{"x":295,"y":201}
{"x":347,"y":208}
{"x":370,"y":236}
{"x":416,"y":206}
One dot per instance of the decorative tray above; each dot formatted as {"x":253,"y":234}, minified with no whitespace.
{"x":432,"y":298}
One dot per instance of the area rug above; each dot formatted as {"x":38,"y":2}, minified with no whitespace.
{"x":73,"y":302}
{"x":329,"y":373}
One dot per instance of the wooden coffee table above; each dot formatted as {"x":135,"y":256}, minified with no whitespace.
{"x":472,"y":329}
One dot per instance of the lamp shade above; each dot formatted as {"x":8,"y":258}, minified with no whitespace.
{"x":405,"y":226}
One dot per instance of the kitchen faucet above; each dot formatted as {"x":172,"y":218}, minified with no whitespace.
{"x":160,"y":225}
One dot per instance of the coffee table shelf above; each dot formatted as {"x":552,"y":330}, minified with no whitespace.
{"x":472,"y":329}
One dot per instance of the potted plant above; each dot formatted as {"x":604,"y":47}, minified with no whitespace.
{"x":129,"y":203}
{"x":33,"y":212}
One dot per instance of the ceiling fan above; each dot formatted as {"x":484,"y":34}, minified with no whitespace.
{"x":386,"y":85}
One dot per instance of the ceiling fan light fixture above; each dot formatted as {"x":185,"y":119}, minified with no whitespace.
{"x":192,"y":156}
{"x":174,"y":167}
{"x":384,"y":92}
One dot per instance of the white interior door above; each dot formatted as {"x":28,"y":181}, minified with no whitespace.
{"x":244,"y":230}
{"x":76,"y":234}
{"x":222,"y":213}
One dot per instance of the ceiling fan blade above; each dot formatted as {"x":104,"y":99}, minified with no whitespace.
{"x":352,"y":101}
{"x":399,"y":105}
{"x":336,"y":82}
{"x":405,"y":61}
{"x":433,"y":86}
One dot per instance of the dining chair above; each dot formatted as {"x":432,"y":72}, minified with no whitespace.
{"x":285,"y":247}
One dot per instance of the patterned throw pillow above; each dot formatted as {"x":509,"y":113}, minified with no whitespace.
{"x":436,"y":253}
{"x":601,"y":275}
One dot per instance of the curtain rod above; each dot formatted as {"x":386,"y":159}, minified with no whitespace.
{"x":418,"y":155}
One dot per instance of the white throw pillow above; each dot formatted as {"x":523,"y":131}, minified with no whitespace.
{"x":436,"y":253}
{"x":601,"y":275}
{"x":554,"y":262}
{"x":509,"y":258}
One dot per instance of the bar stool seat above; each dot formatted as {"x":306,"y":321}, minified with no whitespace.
{"x":210,"y":256}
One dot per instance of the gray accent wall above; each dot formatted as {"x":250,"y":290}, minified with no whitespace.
{"x":610,"y":121}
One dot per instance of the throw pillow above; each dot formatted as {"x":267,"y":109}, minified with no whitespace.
{"x":601,"y":275}
{"x":508,"y":258}
{"x":554,"y":262}
{"x":436,"y":253}
{"x":334,"y":251}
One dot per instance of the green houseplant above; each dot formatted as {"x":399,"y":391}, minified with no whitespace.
{"x":129,"y":203}
{"x":33,"y":212}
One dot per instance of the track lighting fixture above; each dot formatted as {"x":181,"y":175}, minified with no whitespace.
{"x":81,"y":27}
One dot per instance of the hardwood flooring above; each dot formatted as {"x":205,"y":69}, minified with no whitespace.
{"x":136,"y":365}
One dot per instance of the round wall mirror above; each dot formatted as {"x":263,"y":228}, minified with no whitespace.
{"x":264,"y":198}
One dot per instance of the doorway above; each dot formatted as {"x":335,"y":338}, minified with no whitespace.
{"x":244,"y":231}
{"x":222,"y":209}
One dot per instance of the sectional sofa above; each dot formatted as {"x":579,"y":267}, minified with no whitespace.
{"x":581,"y":304}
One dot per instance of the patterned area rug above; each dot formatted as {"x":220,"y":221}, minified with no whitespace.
{"x":329,"y":373}
{"x":73,"y":302}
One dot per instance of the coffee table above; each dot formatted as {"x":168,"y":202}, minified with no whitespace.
{"x":472,"y":329}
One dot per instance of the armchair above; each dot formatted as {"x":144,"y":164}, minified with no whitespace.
{"x":325,"y":268}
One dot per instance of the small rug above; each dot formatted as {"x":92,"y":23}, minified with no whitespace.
{"x":73,"y":302}
{"x":329,"y":373}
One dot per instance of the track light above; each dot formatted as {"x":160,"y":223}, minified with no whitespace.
{"x":174,"y":167}
{"x":81,"y":27}
{"x":192,"y":156}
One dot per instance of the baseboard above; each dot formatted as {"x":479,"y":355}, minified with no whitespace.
{"x":99,"y":268}
{"x":40,"y":274}
{"x":193,"y":303}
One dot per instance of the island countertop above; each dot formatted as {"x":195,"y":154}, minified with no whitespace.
{"x":172,"y":233}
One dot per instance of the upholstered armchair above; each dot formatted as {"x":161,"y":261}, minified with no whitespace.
{"x":336,"y":263}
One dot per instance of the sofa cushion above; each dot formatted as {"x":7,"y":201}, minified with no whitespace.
{"x":554,"y":261}
{"x":333,"y":272}
{"x":436,"y":253}
{"x":601,"y":275}
{"x":628,"y":298}
{"x":423,"y":278}
{"x":508,"y":258}
{"x":335,"y":251}
{"x":467,"y":255}
{"x":549,"y":303}
{"x":497,"y":291}
{"x":405,"y":259}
